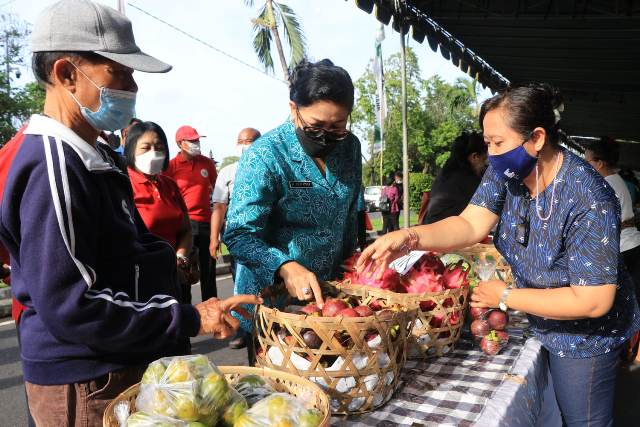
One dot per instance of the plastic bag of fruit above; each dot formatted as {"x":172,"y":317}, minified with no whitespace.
{"x":188,"y":388}
{"x":143,"y":419}
{"x":253,"y":388}
{"x":280,"y":409}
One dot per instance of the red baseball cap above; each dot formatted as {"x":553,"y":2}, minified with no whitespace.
{"x":187,"y":133}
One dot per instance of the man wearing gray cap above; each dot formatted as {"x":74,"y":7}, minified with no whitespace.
{"x":99,"y":293}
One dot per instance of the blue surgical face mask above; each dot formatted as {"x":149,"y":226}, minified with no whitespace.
{"x":515,"y":164}
{"x":117,"y":107}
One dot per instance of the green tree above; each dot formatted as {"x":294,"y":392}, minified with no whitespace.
{"x":363,"y":116}
{"x":271,"y":17}
{"x":17,"y":104}
{"x":228,"y":161}
{"x":437,"y":112}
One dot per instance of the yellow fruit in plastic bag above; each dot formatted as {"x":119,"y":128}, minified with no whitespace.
{"x":215,"y":390}
{"x":178,"y":371}
{"x":153,"y":373}
{"x":234,"y":411}
{"x":310,"y":418}
{"x":186,"y":409}
{"x":247,"y":420}
{"x":284,"y":422}
{"x":277,"y":407}
{"x":160,"y":404}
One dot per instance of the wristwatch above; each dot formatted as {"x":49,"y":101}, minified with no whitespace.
{"x":503,"y":299}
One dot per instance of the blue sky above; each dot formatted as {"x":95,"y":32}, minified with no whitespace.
{"x":219,"y":96}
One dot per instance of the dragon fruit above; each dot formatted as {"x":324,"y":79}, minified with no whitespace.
{"x":455,"y":276}
{"x":454,"y":318}
{"x":437,"y":320}
{"x":350,"y":263}
{"x":427,"y":305}
{"x":425,"y":276}
{"x":390,"y":280}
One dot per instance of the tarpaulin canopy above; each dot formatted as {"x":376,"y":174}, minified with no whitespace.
{"x":590,"y":50}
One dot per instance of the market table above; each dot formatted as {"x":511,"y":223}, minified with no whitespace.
{"x":467,"y":387}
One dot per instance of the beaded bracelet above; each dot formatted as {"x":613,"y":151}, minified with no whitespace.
{"x":412,"y":244}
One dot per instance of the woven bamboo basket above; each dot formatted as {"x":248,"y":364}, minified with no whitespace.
{"x":481,"y":250}
{"x":284,"y":382}
{"x":439,"y":316}
{"x":356,"y":360}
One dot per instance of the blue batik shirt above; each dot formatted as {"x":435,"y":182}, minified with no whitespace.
{"x":577,"y":245}
{"x":283,"y":209}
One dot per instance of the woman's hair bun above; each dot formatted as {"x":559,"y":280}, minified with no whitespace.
{"x":310,"y":82}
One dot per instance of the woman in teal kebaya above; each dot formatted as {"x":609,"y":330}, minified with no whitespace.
{"x":293,"y":211}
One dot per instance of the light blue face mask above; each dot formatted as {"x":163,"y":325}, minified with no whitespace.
{"x":117,"y":107}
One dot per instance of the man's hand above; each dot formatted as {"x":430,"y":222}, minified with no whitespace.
{"x":214,"y":247}
{"x":216,"y":318}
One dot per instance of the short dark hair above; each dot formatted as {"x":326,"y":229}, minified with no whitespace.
{"x":42,"y":63}
{"x":464,"y":145}
{"x":605,"y":149}
{"x":528,"y":106}
{"x":135,"y":133}
{"x":320,"y":81}
{"x":133,"y":121}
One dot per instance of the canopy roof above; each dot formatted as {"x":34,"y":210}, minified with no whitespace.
{"x":589,"y":49}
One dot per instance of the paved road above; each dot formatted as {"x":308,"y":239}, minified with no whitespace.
{"x":12,"y":402}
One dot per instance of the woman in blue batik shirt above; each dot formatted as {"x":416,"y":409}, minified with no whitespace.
{"x":293,"y":212}
{"x":558,"y":225}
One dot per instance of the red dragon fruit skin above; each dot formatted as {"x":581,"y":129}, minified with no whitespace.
{"x":390,"y":279}
{"x":456,"y":277}
{"x":421,"y":281}
{"x":437,"y":320}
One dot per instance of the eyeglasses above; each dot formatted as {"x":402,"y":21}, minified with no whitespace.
{"x":245,"y":141}
{"x":321,"y":134}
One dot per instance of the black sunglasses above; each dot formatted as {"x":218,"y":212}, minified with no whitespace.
{"x":321,"y":134}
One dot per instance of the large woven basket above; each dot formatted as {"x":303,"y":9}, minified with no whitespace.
{"x":481,"y":250}
{"x":281,"y":382}
{"x":439,"y":315}
{"x":358,"y":375}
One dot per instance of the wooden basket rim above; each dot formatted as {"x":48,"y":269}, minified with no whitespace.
{"x":324,"y":319}
{"x":372,"y":291}
{"x":243,"y":370}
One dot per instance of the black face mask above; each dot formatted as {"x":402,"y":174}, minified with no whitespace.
{"x":315,"y":147}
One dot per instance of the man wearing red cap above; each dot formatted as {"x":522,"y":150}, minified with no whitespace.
{"x":196,"y":175}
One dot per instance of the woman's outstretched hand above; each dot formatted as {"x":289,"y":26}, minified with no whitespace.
{"x":383,"y":251}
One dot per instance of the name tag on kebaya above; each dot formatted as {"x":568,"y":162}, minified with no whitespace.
{"x":300,"y":184}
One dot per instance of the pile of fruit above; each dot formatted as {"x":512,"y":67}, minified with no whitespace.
{"x":189,"y":391}
{"x":438,"y":286}
{"x":488,"y":327}
{"x":428,"y":275}
{"x":352,"y":350}
{"x":341,"y":307}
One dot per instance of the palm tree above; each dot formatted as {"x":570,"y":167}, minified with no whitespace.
{"x":265,"y":29}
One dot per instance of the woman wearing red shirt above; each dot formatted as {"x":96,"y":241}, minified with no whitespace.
{"x":157,"y":197}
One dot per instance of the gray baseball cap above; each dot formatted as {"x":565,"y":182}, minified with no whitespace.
{"x":85,"y":26}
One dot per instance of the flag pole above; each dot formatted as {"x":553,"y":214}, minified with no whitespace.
{"x":405,"y":136}
{"x":381,"y":104}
